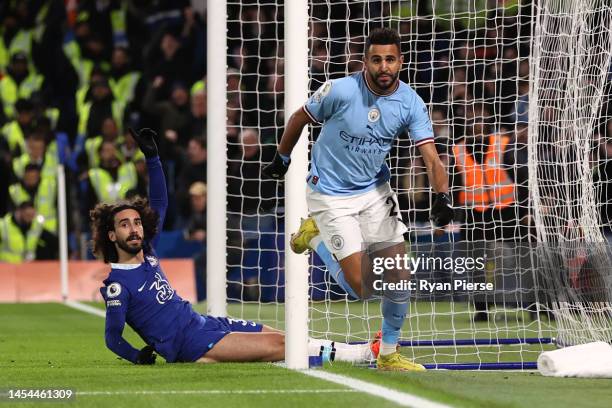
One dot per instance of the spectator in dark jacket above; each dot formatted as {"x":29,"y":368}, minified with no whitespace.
{"x":194,"y":170}
{"x":173,"y":115}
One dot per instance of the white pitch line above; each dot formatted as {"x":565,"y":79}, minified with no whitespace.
{"x":85,"y":308}
{"x":399,"y":397}
{"x":211,"y":392}
{"x":354,"y":385}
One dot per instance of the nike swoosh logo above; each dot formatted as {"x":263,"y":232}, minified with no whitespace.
{"x":142,"y":287}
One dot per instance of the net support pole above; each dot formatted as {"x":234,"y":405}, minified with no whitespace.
{"x":296,"y":266}
{"x":216,"y":215}
{"x":63,"y":230}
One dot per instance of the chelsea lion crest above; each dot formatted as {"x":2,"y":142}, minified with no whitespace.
{"x":373,"y":115}
{"x":152,"y":260}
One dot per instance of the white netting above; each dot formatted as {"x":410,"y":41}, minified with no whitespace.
{"x":255,"y":118}
{"x":470,"y":62}
{"x":568,"y":151}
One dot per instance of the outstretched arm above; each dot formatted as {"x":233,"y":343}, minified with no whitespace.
{"x":158,"y":195}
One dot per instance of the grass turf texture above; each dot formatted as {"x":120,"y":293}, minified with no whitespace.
{"x":52,"y":346}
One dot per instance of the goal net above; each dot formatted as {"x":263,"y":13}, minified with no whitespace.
{"x":518,"y":89}
{"x":569,"y":160}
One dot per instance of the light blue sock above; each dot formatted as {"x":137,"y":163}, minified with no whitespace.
{"x":394,"y":314}
{"x":334,"y":268}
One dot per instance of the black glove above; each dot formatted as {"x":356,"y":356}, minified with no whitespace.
{"x":146,"y":356}
{"x":277,"y":169}
{"x":441,"y":211}
{"x":146,"y":141}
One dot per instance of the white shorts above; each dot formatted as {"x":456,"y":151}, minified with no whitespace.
{"x":348,"y":223}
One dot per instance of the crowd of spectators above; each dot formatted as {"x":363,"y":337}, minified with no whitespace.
{"x":74,"y":76}
{"x":77,"y":74}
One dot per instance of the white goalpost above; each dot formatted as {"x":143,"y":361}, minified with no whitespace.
{"x":520,"y":87}
{"x":217,"y":160}
{"x":296,"y":266}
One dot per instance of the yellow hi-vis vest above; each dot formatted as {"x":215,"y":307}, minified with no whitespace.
{"x":124,"y":87}
{"x":14,"y":247}
{"x":49,"y":165}
{"x":117,"y":110}
{"x":82,"y":66}
{"x":44,"y":201}
{"x":485,"y":185}
{"x":22,"y":42}
{"x":80,"y":96}
{"x":118,"y":17}
{"x":14,"y":137}
{"x":93,"y":157}
{"x":53,"y":115}
{"x":10,"y":91}
{"x":108,"y":190}
{"x":4,"y":55}
{"x":198,"y":86}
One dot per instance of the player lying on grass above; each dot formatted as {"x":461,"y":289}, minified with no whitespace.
{"x":138,"y":293}
{"x":348,"y":192}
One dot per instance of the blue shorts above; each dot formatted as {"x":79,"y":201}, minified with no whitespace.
{"x":203,"y":332}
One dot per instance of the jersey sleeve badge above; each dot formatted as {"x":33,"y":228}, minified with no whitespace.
{"x":113,"y":290}
{"x":322,"y":92}
{"x":152,"y":260}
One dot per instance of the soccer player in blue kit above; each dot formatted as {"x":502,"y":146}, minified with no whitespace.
{"x":138,"y":293}
{"x":349,"y":198}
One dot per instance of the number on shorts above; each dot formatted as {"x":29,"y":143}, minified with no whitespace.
{"x":393,"y":213}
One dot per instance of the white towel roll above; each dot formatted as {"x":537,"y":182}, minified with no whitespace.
{"x":592,"y":360}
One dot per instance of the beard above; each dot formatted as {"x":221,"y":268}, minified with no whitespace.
{"x":130,"y":249}
{"x":388,"y":84}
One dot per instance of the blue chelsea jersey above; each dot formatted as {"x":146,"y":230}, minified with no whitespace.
{"x":359,"y":129}
{"x":150,"y":305}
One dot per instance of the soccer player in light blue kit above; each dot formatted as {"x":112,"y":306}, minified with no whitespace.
{"x":349,"y":197}
{"x":137,"y":292}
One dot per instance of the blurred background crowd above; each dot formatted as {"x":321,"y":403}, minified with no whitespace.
{"x":74,"y":76}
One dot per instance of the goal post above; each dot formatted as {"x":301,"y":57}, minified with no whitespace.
{"x":296,"y":266}
{"x":216,"y":247}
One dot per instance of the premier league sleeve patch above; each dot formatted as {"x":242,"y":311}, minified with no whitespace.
{"x":322,"y":92}
{"x":113,"y":290}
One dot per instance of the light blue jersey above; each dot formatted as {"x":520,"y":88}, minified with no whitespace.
{"x":359,"y":128}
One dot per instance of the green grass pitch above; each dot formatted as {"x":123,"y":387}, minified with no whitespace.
{"x":53,"y":346}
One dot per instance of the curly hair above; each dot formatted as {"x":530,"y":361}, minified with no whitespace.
{"x":102,"y":219}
